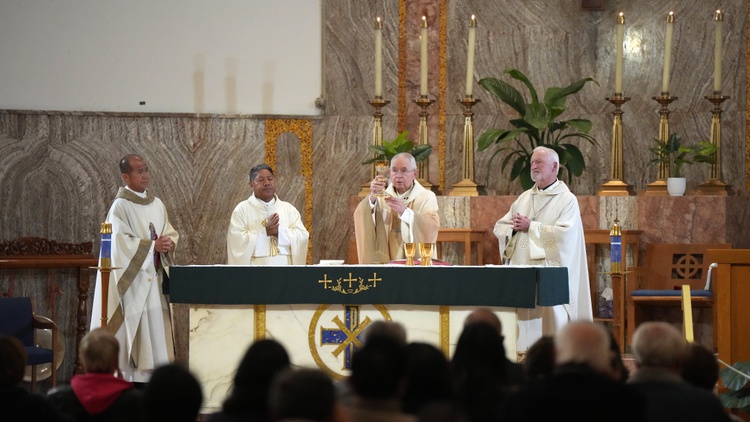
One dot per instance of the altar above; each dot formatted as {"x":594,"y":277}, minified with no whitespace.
{"x":319,"y":312}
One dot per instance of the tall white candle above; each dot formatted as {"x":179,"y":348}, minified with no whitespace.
{"x":719,"y":18}
{"x":667,"y":53}
{"x":470,"y":59}
{"x":618,"y":55}
{"x":423,"y":59}
{"x":378,"y":58}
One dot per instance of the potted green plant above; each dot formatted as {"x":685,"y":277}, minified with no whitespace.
{"x":735,"y":379}
{"x":675,"y":155}
{"x":398,"y":145}
{"x":537,"y":125}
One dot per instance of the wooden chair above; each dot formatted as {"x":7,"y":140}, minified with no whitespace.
{"x":659,"y":283}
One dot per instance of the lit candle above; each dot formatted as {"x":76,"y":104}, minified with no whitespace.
{"x":378,"y":58}
{"x":423,"y":59}
{"x":719,"y":18}
{"x":618,"y":56}
{"x":667,"y":54}
{"x":470,"y":59}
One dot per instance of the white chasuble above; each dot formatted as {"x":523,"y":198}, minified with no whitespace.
{"x":137,"y":311}
{"x":248,"y":243}
{"x":554,"y":239}
{"x":381,"y":233}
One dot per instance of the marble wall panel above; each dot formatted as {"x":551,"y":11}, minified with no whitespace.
{"x":686,"y":219}
{"x":349,"y":59}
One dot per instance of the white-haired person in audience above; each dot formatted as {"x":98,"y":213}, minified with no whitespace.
{"x":659,"y":350}
{"x":582,"y":386}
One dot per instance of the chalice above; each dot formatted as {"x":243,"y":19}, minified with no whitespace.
{"x":410,"y":249}
{"x":425,"y":250}
{"x":381,"y":168}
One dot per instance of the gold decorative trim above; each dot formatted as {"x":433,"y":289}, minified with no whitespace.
{"x":445,"y":329}
{"x":442,"y":86}
{"x":303,"y":129}
{"x":260,"y":321}
{"x":402,"y":65}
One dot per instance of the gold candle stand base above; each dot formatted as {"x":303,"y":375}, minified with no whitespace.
{"x":467,"y":186}
{"x":714,"y":186}
{"x":659,"y":186}
{"x":615,"y":186}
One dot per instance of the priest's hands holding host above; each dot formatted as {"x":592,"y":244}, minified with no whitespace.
{"x":402,"y":212}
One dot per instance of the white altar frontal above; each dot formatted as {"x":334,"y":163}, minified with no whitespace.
{"x":315,"y":336}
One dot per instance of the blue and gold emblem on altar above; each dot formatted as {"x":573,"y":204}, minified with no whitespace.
{"x":335,"y":334}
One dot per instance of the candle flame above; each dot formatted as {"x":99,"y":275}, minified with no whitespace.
{"x":378,"y":23}
{"x":621,"y":19}
{"x":473,"y":21}
{"x":719,"y":16}
{"x":670,"y":17}
{"x":424,"y":21}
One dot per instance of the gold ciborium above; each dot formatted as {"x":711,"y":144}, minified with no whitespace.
{"x":410,"y":249}
{"x":381,"y":169}
{"x":425,"y":250}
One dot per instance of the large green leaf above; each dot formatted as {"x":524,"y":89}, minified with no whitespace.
{"x":489,"y":138}
{"x":554,"y":102}
{"x":421,"y":152}
{"x":519,"y":76}
{"x":739,"y":399}
{"x":557,"y":93}
{"x":731,"y":379}
{"x":536,"y":115}
{"x":505,"y":92}
{"x":581,"y":125}
{"x":576,"y":163}
{"x":525,"y":178}
{"x":518,"y":166}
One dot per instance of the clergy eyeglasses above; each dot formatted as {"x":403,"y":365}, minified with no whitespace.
{"x":401,"y":171}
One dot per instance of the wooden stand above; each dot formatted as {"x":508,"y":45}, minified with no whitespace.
{"x":731,"y":292}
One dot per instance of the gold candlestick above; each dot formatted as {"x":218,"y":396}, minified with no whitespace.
{"x":715,"y":185}
{"x":424,"y":166}
{"x":377,"y":137}
{"x":467,"y":186}
{"x":659,"y":186}
{"x":616,"y":186}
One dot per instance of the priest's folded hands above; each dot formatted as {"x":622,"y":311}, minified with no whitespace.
{"x":164,"y":244}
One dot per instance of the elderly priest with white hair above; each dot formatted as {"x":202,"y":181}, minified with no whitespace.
{"x":543,"y":227}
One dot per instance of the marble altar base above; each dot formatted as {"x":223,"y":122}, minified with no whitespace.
{"x":221,"y":334}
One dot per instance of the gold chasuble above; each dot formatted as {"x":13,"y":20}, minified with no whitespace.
{"x":381,"y":233}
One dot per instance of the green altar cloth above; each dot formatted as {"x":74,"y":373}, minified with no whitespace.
{"x":517,"y":287}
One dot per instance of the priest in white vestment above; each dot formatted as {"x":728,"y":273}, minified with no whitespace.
{"x":543,"y":227}
{"x":265,"y":230}
{"x":143,"y":242}
{"x":406,"y":213}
